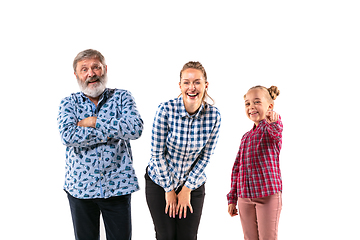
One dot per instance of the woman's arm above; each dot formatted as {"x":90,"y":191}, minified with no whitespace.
{"x":158,"y":149}
{"x":202,"y":161}
{"x":204,"y":156}
{"x":184,"y":197}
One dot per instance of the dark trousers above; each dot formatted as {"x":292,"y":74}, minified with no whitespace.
{"x":167,"y":228}
{"x":116,"y":213}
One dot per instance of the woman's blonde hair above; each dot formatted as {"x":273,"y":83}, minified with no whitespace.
{"x":198,"y":66}
{"x":272,"y":91}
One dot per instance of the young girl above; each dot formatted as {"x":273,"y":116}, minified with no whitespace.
{"x":256,"y":179}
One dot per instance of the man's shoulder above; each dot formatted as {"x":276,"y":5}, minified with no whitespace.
{"x":73,"y":97}
{"x":118,"y":92}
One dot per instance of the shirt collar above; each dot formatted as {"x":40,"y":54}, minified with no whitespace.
{"x":182,"y":111}
{"x":261,"y":123}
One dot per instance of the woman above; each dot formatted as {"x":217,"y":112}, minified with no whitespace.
{"x":184,"y":135}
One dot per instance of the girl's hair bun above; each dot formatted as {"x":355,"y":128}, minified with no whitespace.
{"x":274,"y":92}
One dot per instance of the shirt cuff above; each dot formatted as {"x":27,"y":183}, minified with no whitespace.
{"x":168,"y":189}
{"x":101,"y":125}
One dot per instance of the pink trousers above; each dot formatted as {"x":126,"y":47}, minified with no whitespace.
{"x":260,"y":217}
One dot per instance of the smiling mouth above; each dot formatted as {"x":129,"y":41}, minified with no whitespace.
{"x":253,"y":113}
{"x":93,"y":80}
{"x":192,"y":94}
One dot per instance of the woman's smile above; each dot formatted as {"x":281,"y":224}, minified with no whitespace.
{"x":192,"y":86}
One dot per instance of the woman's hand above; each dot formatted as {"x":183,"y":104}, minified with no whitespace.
{"x":184,"y":202}
{"x":171,"y":203}
{"x":232,"y":210}
{"x":271,"y":116}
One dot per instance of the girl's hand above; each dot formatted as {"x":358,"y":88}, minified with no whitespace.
{"x":184,"y":202}
{"x":271,"y":116}
{"x":232,"y":210}
{"x":171,"y":203}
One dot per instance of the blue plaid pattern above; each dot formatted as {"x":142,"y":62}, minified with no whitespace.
{"x":99,"y":160}
{"x":181,"y":144}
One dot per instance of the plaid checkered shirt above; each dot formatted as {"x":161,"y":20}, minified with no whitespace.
{"x":256,"y":171}
{"x":181,"y":144}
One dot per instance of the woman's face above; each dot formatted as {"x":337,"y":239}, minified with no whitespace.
{"x":192,"y":85}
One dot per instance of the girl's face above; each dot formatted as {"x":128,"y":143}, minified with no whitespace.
{"x":256,"y":105}
{"x":192,"y":85}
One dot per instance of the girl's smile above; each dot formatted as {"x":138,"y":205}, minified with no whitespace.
{"x":256,"y":105}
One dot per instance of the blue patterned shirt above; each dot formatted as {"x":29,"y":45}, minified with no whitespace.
{"x":181,"y":144}
{"x":99,"y":160}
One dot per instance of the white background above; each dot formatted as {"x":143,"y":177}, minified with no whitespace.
{"x":309,"y":49}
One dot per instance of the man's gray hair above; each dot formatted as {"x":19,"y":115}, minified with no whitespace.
{"x":86,"y":54}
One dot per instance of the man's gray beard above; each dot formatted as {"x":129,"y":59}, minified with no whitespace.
{"x":93,"y":91}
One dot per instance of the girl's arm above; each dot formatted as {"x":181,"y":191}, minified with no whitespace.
{"x":274,"y":125}
{"x":232,"y":210}
{"x":232,"y":195}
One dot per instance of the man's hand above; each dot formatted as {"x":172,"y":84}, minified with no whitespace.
{"x":232,"y":210}
{"x":87,"y":122}
{"x":171,"y":202}
{"x":184,"y":202}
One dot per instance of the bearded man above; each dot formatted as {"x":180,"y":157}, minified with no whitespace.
{"x":96,"y":126}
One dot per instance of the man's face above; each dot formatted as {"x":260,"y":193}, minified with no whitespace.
{"x":91,"y":76}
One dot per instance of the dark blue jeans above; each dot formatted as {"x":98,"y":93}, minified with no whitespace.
{"x":116,"y":213}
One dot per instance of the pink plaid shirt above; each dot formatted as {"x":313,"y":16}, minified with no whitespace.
{"x":256,"y":171}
